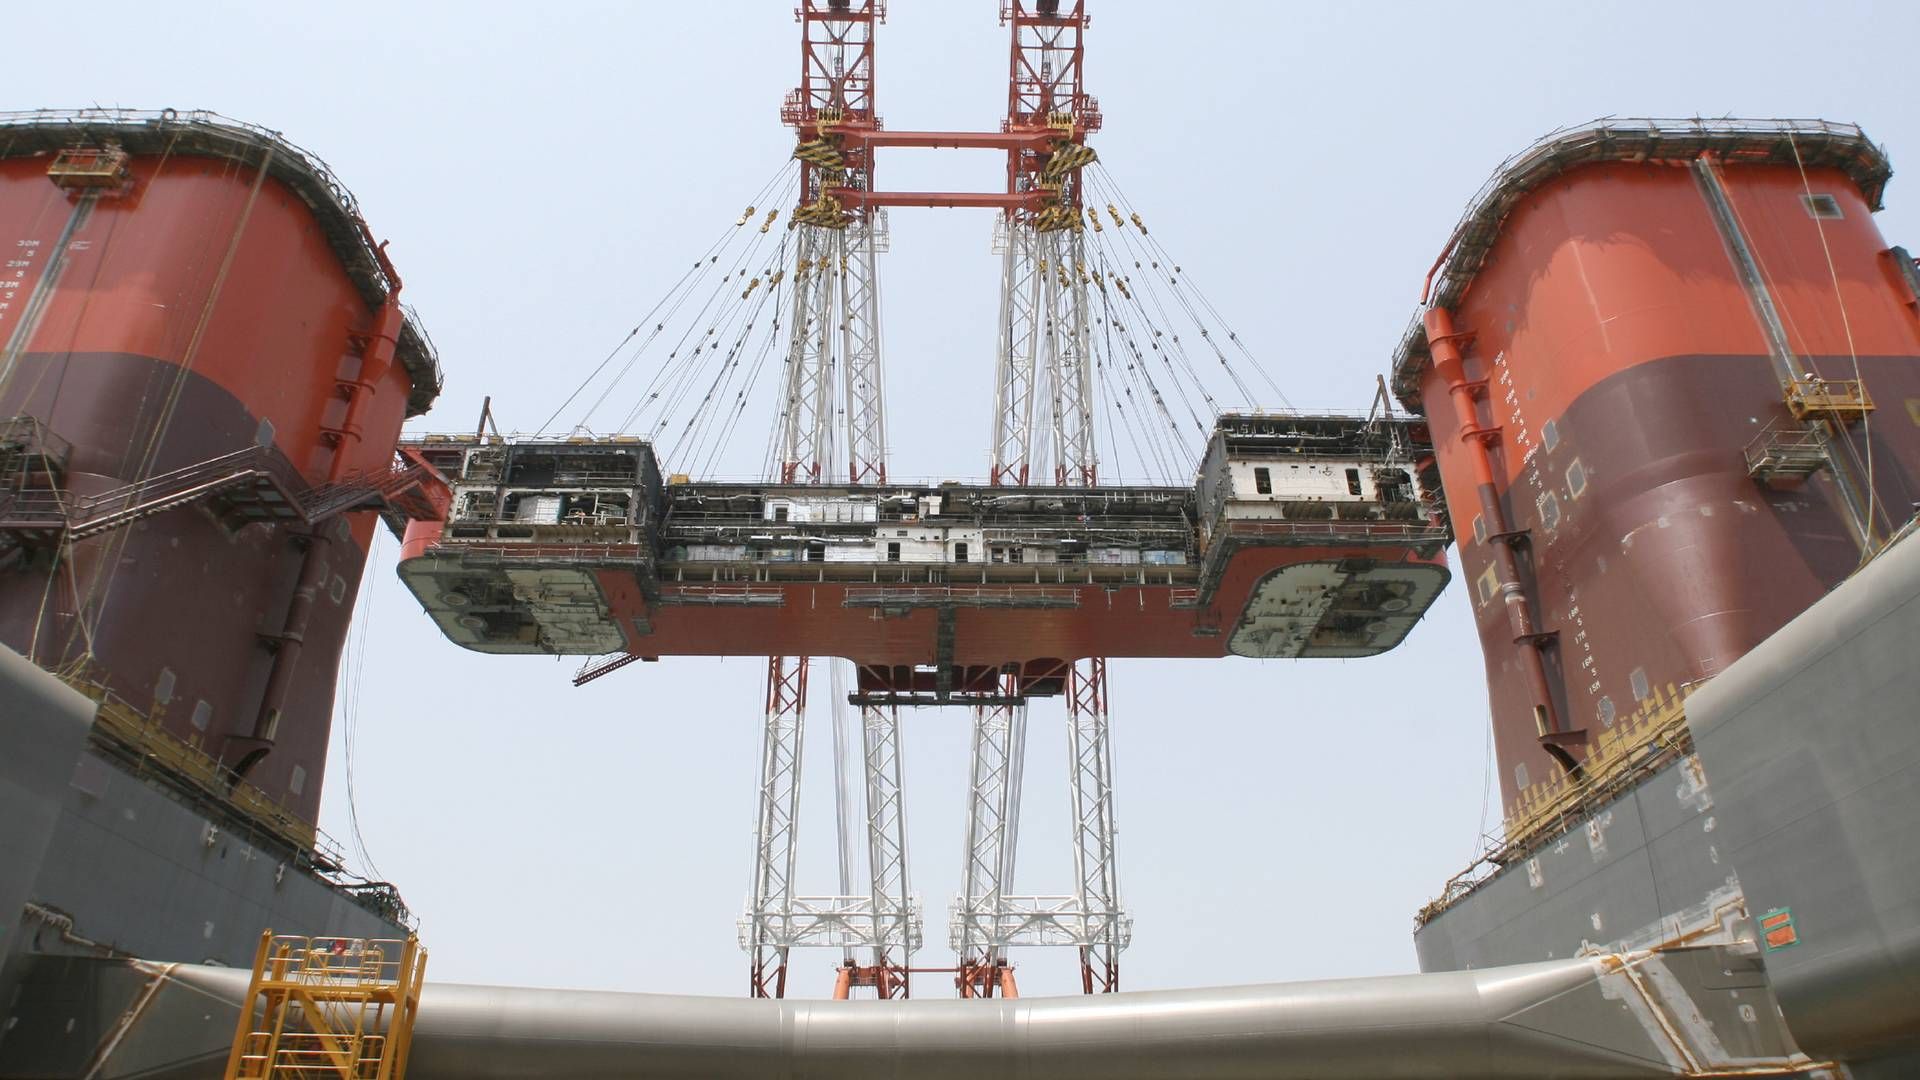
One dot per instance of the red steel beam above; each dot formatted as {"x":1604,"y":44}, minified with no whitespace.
{"x":1023,"y":139}
{"x":991,"y":200}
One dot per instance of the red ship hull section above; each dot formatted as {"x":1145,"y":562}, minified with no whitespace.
{"x":199,"y":314}
{"x":1626,"y":371}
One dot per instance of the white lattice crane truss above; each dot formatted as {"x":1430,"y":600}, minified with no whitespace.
{"x":834,"y":344}
{"x":1044,"y":422}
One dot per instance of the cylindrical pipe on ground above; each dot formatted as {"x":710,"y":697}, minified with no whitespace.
{"x":1530,"y":1020}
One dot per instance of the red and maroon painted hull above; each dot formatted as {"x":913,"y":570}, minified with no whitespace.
{"x":1625,"y":373}
{"x":202,"y":311}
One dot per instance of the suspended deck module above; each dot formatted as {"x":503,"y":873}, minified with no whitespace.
{"x":1303,"y":536}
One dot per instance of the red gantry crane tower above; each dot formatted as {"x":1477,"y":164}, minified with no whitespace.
{"x":1043,"y":423}
{"x":1043,"y":416}
{"x":834,"y":344}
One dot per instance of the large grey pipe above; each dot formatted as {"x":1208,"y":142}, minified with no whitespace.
{"x":1566,"y":1018}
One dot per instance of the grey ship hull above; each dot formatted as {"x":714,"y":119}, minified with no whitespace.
{"x":1800,"y":801}
{"x":97,"y":862}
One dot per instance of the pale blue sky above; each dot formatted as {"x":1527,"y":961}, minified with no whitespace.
{"x":546,"y":171}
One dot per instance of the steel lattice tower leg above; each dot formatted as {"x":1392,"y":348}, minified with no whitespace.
{"x":806,"y":435}
{"x":981,"y":913}
{"x":769,"y":924}
{"x":1068,"y":358}
{"x":860,"y":333}
{"x":1022,"y":318}
{"x":1097,"y":886}
{"x":836,"y":304}
{"x":895,"y":931}
{"x":1044,"y":383}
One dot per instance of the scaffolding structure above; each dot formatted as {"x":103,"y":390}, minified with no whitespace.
{"x":328,"y":1008}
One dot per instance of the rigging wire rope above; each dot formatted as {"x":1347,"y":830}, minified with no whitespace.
{"x":1107,"y":181}
{"x":674,"y":298}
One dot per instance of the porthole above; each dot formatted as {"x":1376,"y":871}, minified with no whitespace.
{"x":1576,"y":479}
{"x":1549,"y":510}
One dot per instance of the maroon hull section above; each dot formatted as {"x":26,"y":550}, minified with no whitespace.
{"x":1671,"y":366}
{"x":1655,"y":555}
{"x":179,"y":611}
{"x":196,"y":308}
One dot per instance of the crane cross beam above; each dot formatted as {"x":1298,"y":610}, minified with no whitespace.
{"x":990,"y":200}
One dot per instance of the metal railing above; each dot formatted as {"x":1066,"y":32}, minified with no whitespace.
{"x":770,"y":595}
{"x":138,"y":737}
{"x":84,"y":516}
{"x":1022,"y":596}
{"x":1785,"y":449}
{"x":1841,"y":400}
{"x":328,"y":1007}
{"x":1369,"y":530}
{"x":1664,"y":738}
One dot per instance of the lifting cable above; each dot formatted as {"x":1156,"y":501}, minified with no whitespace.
{"x":671,"y":380}
{"x":1178,"y":384}
{"x":1137,"y":370}
{"x":1166,"y":435}
{"x":1175,"y":348}
{"x":354,"y":669}
{"x":681,"y":363}
{"x":746,"y":318}
{"x":1116,"y":410}
{"x":1158,"y":262}
{"x":1115,"y":373}
{"x":732,"y":422}
{"x":688,"y":445}
{"x":1846,"y":325}
{"x":1167,"y":354}
{"x":1105,"y":179}
{"x":672,"y":302}
{"x":709,"y":344}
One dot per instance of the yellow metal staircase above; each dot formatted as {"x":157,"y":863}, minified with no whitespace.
{"x":328,"y":1008}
